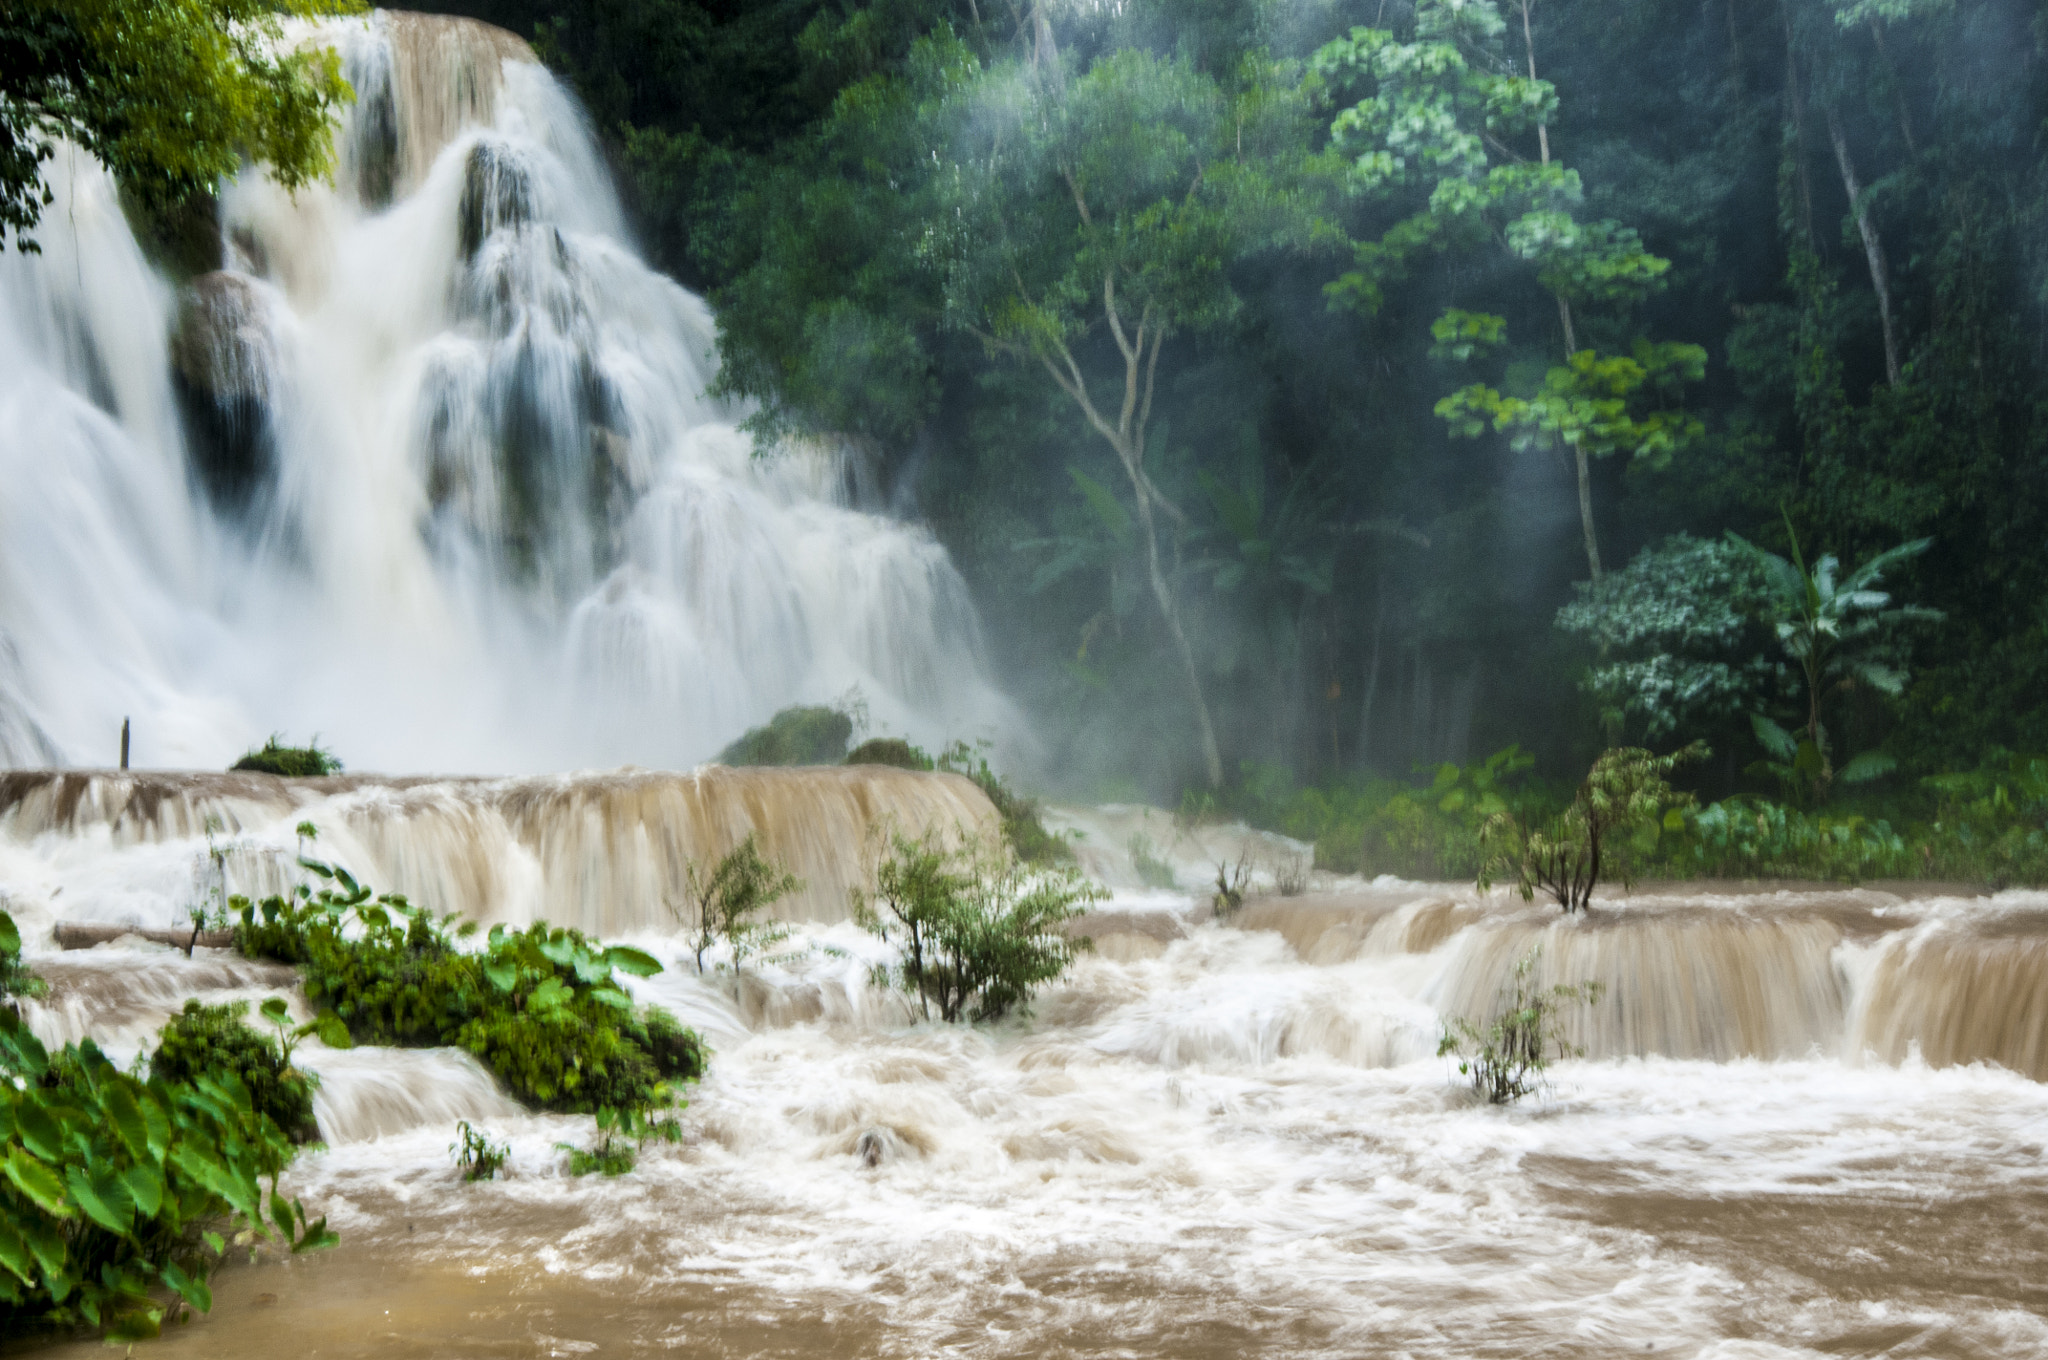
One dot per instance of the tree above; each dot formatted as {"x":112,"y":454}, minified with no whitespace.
{"x":1113,"y":205}
{"x":169,"y":95}
{"x":1429,"y":135}
{"x":722,"y":902}
{"x":1627,"y":790}
{"x":1840,"y":631}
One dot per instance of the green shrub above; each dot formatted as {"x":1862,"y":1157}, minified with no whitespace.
{"x":215,"y":1040}
{"x":977,"y":931}
{"x":1507,"y":1058}
{"x":1023,"y":830}
{"x":889,"y":751}
{"x":795,"y":736}
{"x":539,"y":1007}
{"x":300,"y":762}
{"x":112,"y":1187}
{"x":620,"y":1136}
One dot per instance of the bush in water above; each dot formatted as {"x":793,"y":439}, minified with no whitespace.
{"x":108,"y":1185}
{"x":977,"y":931}
{"x":215,"y":1040}
{"x":1624,"y":794}
{"x":722,"y":901}
{"x":476,"y":1156}
{"x":795,"y":736}
{"x":620,"y":1136}
{"x":1506,"y":1059}
{"x":540,"y":1006}
{"x":303,"y":762}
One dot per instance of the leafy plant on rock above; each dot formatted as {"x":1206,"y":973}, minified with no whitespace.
{"x":977,"y":930}
{"x":1506,"y":1059}
{"x":311,"y":761}
{"x":540,"y":1006}
{"x":1627,"y":791}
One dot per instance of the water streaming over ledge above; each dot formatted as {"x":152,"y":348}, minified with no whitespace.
{"x":424,"y":462}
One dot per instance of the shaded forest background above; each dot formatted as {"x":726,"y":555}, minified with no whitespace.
{"x":1361,"y":585}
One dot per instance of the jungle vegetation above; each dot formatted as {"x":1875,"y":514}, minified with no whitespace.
{"x":1317,"y":391}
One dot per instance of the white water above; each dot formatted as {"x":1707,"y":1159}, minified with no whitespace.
{"x":1213,"y":1149}
{"x":463,"y":502}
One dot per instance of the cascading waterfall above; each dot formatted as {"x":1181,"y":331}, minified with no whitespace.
{"x":427,"y":466}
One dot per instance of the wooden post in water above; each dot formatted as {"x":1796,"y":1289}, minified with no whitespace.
{"x":124,"y":743}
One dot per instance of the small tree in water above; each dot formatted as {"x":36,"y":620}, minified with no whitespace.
{"x":721,"y":902}
{"x":1506,"y":1060}
{"x":1626,"y":791}
{"x":978,"y":930}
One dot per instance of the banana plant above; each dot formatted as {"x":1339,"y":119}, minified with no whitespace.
{"x":1840,"y":631}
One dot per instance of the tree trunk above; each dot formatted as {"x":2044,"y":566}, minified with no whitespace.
{"x":1126,"y":437}
{"x":1372,"y":675}
{"x":1796,"y":107}
{"x":1873,"y":246}
{"x":1571,"y":339}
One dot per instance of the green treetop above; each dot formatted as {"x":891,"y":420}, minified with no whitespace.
{"x":170,"y":95}
{"x":1431,"y":134}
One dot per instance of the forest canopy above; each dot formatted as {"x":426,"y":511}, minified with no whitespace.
{"x":1339,"y":386}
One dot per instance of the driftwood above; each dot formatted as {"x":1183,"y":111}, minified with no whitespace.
{"x":76,"y":935}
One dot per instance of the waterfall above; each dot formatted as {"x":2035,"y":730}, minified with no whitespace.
{"x":608,"y":854}
{"x":427,"y":465}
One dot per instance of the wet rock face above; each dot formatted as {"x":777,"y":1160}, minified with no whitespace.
{"x":224,"y":366}
{"x":497,"y":192}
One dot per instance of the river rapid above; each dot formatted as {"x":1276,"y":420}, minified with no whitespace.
{"x":1809,"y":1124}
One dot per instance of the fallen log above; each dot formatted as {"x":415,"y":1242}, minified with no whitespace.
{"x":78,"y":935}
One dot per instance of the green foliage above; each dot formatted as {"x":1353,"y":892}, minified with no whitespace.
{"x":1626,"y":793}
{"x":16,"y":978}
{"x":1678,"y":638}
{"x":110,"y":1187}
{"x":216,"y":1040}
{"x":296,"y":762}
{"x":621,"y":1134}
{"x":540,"y":1007}
{"x":721,"y":902}
{"x":1024,"y":831}
{"x":1506,"y":1059}
{"x":1153,"y":871}
{"x":476,"y":1156}
{"x":977,"y":930}
{"x":170,"y":95}
{"x":1593,"y":404}
{"x":794,"y":736}
{"x":1841,"y":632}
{"x":893,"y":751}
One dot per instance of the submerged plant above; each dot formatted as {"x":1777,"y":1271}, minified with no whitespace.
{"x":723,"y":902}
{"x":621,"y":1134}
{"x":476,"y":1156}
{"x":977,"y":929}
{"x":1506,"y":1060}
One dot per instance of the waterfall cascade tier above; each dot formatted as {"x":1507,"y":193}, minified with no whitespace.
{"x":608,"y":853}
{"x":425,"y":462}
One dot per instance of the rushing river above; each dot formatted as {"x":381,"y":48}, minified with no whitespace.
{"x":1810,"y":1124}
